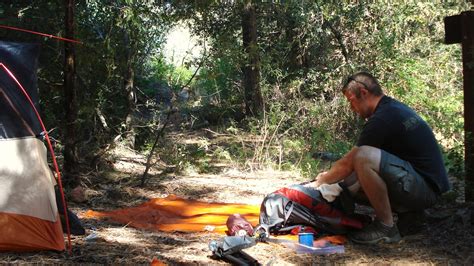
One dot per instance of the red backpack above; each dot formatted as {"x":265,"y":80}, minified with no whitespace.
{"x":297,"y":205}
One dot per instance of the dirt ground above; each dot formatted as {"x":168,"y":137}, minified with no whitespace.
{"x":446,"y":238}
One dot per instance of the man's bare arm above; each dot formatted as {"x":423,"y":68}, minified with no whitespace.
{"x":341,"y":169}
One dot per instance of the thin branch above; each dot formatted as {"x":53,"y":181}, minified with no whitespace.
{"x":160,"y":133}
{"x":195,"y":72}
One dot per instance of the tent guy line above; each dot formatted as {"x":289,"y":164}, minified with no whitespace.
{"x":41,"y":34}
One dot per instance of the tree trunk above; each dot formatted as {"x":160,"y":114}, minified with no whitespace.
{"x":70,"y":153}
{"x":129,"y":76}
{"x":251,"y":68}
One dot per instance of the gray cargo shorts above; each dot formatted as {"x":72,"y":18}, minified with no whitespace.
{"x":407,"y":190}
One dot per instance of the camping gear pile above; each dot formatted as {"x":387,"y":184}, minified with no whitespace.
{"x":291,"y":210}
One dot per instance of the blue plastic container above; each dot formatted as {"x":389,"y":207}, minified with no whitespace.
{"x":306,"y":239}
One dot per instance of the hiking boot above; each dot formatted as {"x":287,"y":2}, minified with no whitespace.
{"x":410,"y":223}
{"x":375,"y":232}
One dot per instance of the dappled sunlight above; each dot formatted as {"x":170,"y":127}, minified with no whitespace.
{"x":25,"y":179}
{"x":128,"y":167}
{"x":6,"y":186}
{"x":184,"y":227}
{"x":123,"y":236}
{"x":175,"y":115}
{"x":234,"y":185}
{"x":10,"y":168}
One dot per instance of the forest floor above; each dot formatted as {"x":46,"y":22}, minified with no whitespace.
{"x":447,"y":238}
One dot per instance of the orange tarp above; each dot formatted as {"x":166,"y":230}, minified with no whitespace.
{"x":176,"y":214}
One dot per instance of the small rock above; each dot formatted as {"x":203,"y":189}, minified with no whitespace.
{"x":78,"y":195}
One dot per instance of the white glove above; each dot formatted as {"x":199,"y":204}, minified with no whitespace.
{"x":330,"y":191}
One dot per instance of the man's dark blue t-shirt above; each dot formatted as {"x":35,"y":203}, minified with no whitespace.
{"x":397,"y":129}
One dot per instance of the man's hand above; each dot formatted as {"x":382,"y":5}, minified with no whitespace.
{"x":319,"y":180}
{"x":339,"y":170}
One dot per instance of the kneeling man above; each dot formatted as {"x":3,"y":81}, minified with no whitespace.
{"x":397,"y":160}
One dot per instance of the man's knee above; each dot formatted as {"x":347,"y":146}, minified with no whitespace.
{"x":367,"y":156}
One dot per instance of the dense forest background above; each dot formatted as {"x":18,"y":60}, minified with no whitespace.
{"x":272,"y":69}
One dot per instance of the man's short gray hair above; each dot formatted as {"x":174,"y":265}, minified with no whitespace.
{"x":364,"y":79}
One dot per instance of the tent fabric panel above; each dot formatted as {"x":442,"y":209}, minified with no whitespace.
{"x":26,"y":182}
{"x":26,"y":233}
{"x":12,"y":122}
{"x":17,"y":117}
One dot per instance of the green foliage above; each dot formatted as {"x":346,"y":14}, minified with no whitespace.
{"x":424,"y":73}
{"x":216,"y":82}
{"x":309,"y":166}
{"x":399,"y":43}
{"x":162,"y":72}
{"x":160,"y":69}
{"x":100,"y":59}
{"x":306,"y":48}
